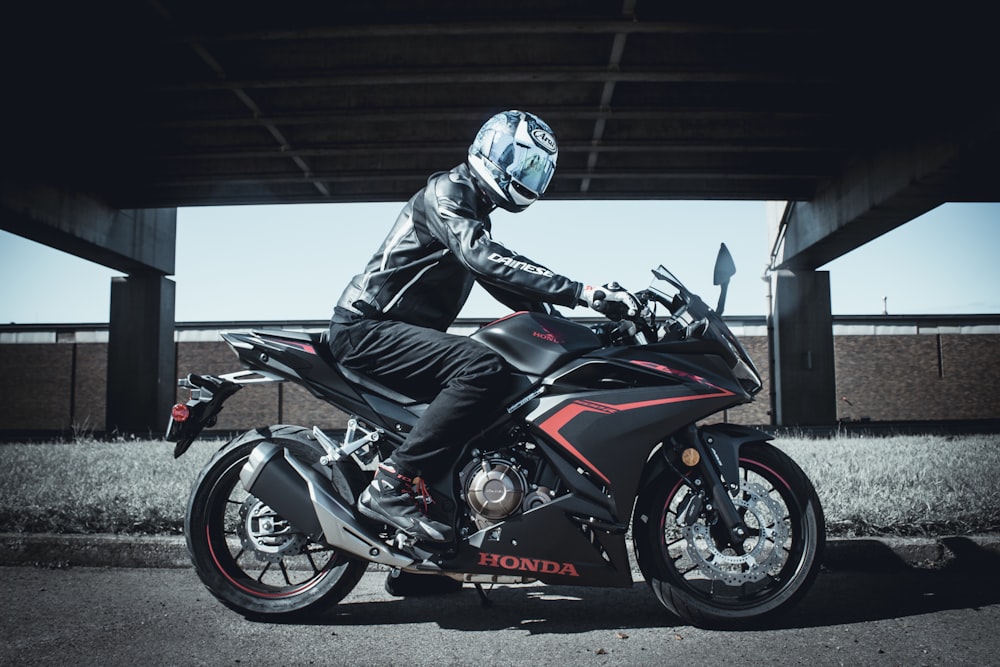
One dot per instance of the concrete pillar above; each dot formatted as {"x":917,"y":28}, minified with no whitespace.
{"x":141,"y":354}
{"x":802,"y":370}
{"x":139,"y":242}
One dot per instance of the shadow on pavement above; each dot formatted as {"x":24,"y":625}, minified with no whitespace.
{"x":539,"y":609}
{"x":887,"y":588}
{"x":891,"y":588}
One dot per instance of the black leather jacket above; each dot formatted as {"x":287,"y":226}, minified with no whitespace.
{"x":424,"y":270}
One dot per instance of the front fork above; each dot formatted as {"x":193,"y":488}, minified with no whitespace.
{"x":714,"y":454}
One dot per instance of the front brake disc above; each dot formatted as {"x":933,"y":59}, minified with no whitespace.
{"x":763,"y":550}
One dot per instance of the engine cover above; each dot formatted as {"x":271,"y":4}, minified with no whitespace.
{"x":495,"y":488}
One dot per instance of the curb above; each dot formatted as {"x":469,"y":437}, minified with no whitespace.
{"x":58,"y":551}
{"x":157,"y":551}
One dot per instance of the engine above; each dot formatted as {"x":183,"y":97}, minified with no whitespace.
{"x":496,"y":487}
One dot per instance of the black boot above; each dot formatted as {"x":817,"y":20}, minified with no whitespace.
{"x":405,"y":584}
{"x":390,"y":499}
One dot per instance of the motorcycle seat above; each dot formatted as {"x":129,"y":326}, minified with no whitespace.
{"x":367,"y":383}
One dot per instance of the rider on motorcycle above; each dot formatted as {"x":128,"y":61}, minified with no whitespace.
{"x":391,"y":320}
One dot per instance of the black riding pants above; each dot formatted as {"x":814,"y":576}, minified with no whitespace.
{"x":460,"y":379}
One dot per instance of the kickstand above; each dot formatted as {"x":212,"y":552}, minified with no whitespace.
{"x":486,"y":602}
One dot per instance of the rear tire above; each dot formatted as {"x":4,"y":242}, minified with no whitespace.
{"x":712,"y":585}
{"x":251,"y":559}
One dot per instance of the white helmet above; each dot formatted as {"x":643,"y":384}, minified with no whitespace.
{"x":513,"y":158}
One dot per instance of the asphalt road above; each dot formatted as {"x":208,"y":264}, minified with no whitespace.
{"x":163,"y":616}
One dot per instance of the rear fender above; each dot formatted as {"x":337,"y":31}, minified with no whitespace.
{"x":208,"y":393}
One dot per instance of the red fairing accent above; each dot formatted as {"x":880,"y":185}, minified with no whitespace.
{"x":666,"y":370}
{"x":554,"y":424}
{"x":305,"y":347}
{"x":505,"y":317}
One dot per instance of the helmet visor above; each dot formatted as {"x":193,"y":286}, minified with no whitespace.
{"x":531,"y":166}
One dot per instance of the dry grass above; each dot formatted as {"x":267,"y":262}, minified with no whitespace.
{"x":900,"y":485}
{"x":97,"y":487}
{"x":904,"y":485}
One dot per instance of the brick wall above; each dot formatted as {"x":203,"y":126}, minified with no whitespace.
{"x":918,"y":377}
{"x":35,"y":383}
{"x":886,"y":377}
{"x":970,"y":367}
{"x":61,"y":386}
{"x":90,"y":388}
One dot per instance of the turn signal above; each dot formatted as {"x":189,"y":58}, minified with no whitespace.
{"x":180,"y":413}
{"x":690,"y":457}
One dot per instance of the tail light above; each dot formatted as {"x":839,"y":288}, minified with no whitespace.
{"x":180,"y":413}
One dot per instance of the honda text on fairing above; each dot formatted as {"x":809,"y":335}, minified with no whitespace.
{"x":604,"y":432}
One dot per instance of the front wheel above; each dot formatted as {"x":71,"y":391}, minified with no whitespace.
{"x":253,"y":560}
{"x":706,"y":581}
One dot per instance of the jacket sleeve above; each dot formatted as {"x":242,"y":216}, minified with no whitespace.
{"x":513,"y":300}
{"x":452,"y":217}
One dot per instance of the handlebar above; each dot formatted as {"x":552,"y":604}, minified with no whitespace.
{"x":687,"y":318}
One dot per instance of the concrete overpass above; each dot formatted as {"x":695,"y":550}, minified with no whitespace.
{"x":118,"y":113}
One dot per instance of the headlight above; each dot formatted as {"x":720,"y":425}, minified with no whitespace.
{"x":748,"y":377}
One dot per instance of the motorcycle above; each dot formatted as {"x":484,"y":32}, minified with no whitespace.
{"x":602,"y":438}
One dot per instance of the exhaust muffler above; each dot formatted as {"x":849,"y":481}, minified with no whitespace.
{"x":300,"y":494}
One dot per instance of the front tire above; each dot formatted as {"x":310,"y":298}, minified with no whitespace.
{"x":251,"y":559}
{"x":708,"y":583}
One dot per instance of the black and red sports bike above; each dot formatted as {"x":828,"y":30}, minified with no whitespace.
{"x":603,"y":438}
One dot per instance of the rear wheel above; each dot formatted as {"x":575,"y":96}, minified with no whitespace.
{"x":248,"y":556}
{"x":707,"y":581}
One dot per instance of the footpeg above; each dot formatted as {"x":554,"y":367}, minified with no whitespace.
{"x":335,"y":452}
{"x":403,"y":541}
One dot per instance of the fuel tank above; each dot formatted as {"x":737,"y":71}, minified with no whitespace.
{"x":534,"y":343}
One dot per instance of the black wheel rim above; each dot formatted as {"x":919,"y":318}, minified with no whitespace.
{"x":279,"y":574}
{"x":773,"y":555}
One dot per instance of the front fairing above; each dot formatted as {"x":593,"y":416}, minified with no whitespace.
{"x":743,"y":369}
{"x":608,"y":410}
{"x":689,"y":318}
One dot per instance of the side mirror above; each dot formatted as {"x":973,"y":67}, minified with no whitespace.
{"x":725,"y":268}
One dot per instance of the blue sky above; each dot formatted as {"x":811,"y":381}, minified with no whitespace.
{"x":291,"y":262}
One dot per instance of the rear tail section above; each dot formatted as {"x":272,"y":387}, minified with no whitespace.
{"x":187,"y":420}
